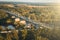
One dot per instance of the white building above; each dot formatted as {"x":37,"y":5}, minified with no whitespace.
{"x":23,"y":22}
{"x":17,"y":19}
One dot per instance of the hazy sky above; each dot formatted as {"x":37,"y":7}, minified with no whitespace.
{"x":56,"y":1}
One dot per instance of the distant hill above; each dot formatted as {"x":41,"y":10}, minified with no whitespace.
{"x":30,"y":3}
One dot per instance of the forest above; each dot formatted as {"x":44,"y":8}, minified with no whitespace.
{"x":19,"y":22}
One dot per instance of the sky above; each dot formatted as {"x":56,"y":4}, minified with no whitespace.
{"x":54,"y":1}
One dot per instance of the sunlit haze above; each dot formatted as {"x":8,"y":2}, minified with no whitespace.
{"x":42,"y":1}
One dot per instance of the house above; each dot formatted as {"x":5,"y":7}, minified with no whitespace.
{"x":23,"y":22}
{"x":17,"y":19}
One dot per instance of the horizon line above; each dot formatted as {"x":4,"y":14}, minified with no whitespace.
{"x":29,"y":2}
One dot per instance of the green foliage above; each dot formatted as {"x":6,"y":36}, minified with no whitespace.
{"x":38,"y":14}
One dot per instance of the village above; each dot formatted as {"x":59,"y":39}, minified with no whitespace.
{"x":26,"y":22}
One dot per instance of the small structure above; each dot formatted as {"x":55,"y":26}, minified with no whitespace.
{"x":28,"y":26}
{"x":13,"y":17}
{"x":9,"y":21}
{"x":7,"y":31}
{"x":10,"y":5}
{"x":17,"y":19}
{"x":10,"y":27}
{"x":41,"y":27}
{"x":23,"y":22}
